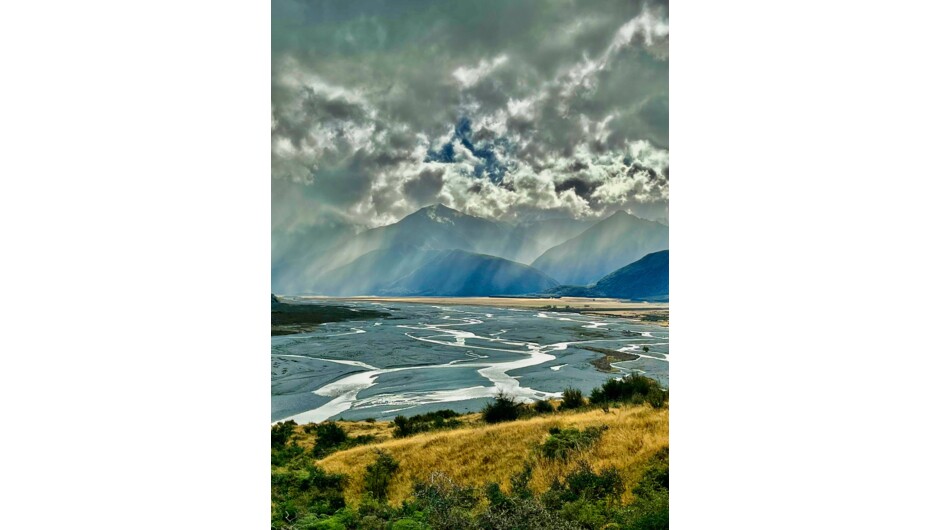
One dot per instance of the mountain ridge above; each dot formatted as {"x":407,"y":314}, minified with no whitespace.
{"x":461,"y":273}
{"x":644,"y":279}
{"x":605,"y":246}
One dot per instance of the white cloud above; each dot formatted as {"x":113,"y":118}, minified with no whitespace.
{"x":469,"y":76}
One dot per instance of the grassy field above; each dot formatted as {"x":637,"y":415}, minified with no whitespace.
{"x":481,"y":453}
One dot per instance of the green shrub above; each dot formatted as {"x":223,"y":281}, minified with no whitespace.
{"x":543,"y":406}
{"x":586,"y":513}
{"x":445,"y":503}
{"x":519,"y":483}
{"x":379,"y":475}
{"x":330,"y":434}
{"x":503,"y":408}
{"x":495,"y":495}
{"x":562,"y":442}
{"x":571,"y":398}
{"x":332,"y":437}
{"x":584,"y":483}
{"x":409,"y":524}
{"x":440,"y":419}
{"x":289,"y":454}
{"x":281,"y":433}
{"x":372,"y":522}
{"x":521,"y":514}
{"x":297,"y":493}
{"x":312,"y":522}
{"x":656,"y":475}
{"x":633,"y":388}
{"x":650,"y":508}
{"x":657,"y":397}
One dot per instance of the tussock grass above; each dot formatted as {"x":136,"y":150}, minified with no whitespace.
{"x":482,"y":453}
{"x":382,"y":430}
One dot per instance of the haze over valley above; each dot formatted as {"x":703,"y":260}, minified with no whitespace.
{"x":438,"y":251}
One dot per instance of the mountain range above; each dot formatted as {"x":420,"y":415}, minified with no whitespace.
{"x":462,"y":273}
{"x":644,"y":279}
{"x":440,"y":251}
{"x":608,"y":245}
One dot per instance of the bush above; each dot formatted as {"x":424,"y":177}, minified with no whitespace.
{"x":562,"y":442}
{"x":571,"y":398}
{"x":298,"y":493}
{"x":289,"y":455}
{"x":503,"y":408}
{"x":543,"y":406}
{"x":281,"y":433}
{"x":332,"y":437}
{"x":440,"y":419}
{"x":315,"y":523}
{"x":656,"y":476}
{"x":584,"y":483}
{"x":650,"y":508}
{"x":445,"y":503}
{"x":657,"y":397}
{"x":522,"y":514}
{"x":519,"y":483}
{"x":379,"y":475}
{"x":409,"y":524}
{"x":633,"y":388}
{"x":330,"y":434}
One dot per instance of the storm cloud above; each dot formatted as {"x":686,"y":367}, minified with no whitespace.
{"x":504,"y":110}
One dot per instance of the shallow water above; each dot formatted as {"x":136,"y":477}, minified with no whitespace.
{"x":427,"y":357}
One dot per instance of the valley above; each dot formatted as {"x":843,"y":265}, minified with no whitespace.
{"x":421,"y":357}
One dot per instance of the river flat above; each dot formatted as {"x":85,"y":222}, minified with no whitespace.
{"x":429,"y":356}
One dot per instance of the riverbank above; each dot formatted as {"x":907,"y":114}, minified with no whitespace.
{"x":653,"y":312}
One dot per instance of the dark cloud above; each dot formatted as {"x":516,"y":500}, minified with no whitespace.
{"x":424,"y":188}
{"x":583,"y":187}
{"x":502,"y":109}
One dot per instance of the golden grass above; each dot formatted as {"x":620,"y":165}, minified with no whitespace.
{"x":482,"y":453}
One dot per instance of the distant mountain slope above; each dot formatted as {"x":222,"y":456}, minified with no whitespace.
{"x":433,"y":227}
{"x":375,"y":270}
{"x":298,"y":258}
{"x":644,"y":279}
{"x":604,"y":247}
{"x":461,"y":273}
{"x":532,"y":238}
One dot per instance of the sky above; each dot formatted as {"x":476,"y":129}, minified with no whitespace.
{"x":505,"y":110}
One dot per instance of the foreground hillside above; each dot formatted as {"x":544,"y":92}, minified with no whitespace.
{"x":596,"y":463}
{"x":480,"y":453}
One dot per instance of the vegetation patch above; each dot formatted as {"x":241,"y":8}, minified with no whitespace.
{"x":543,"y":406}
{"x":287,"y":319}
{"x":633,"y":388}
{"x":379,"y":475}
{"x":503,"y":408}
{"x":561,"y":443}
{"x":432,"y":421}
{"x":331,"y":437}
{"x":654,"y":317}
{"x":571,"y":398}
